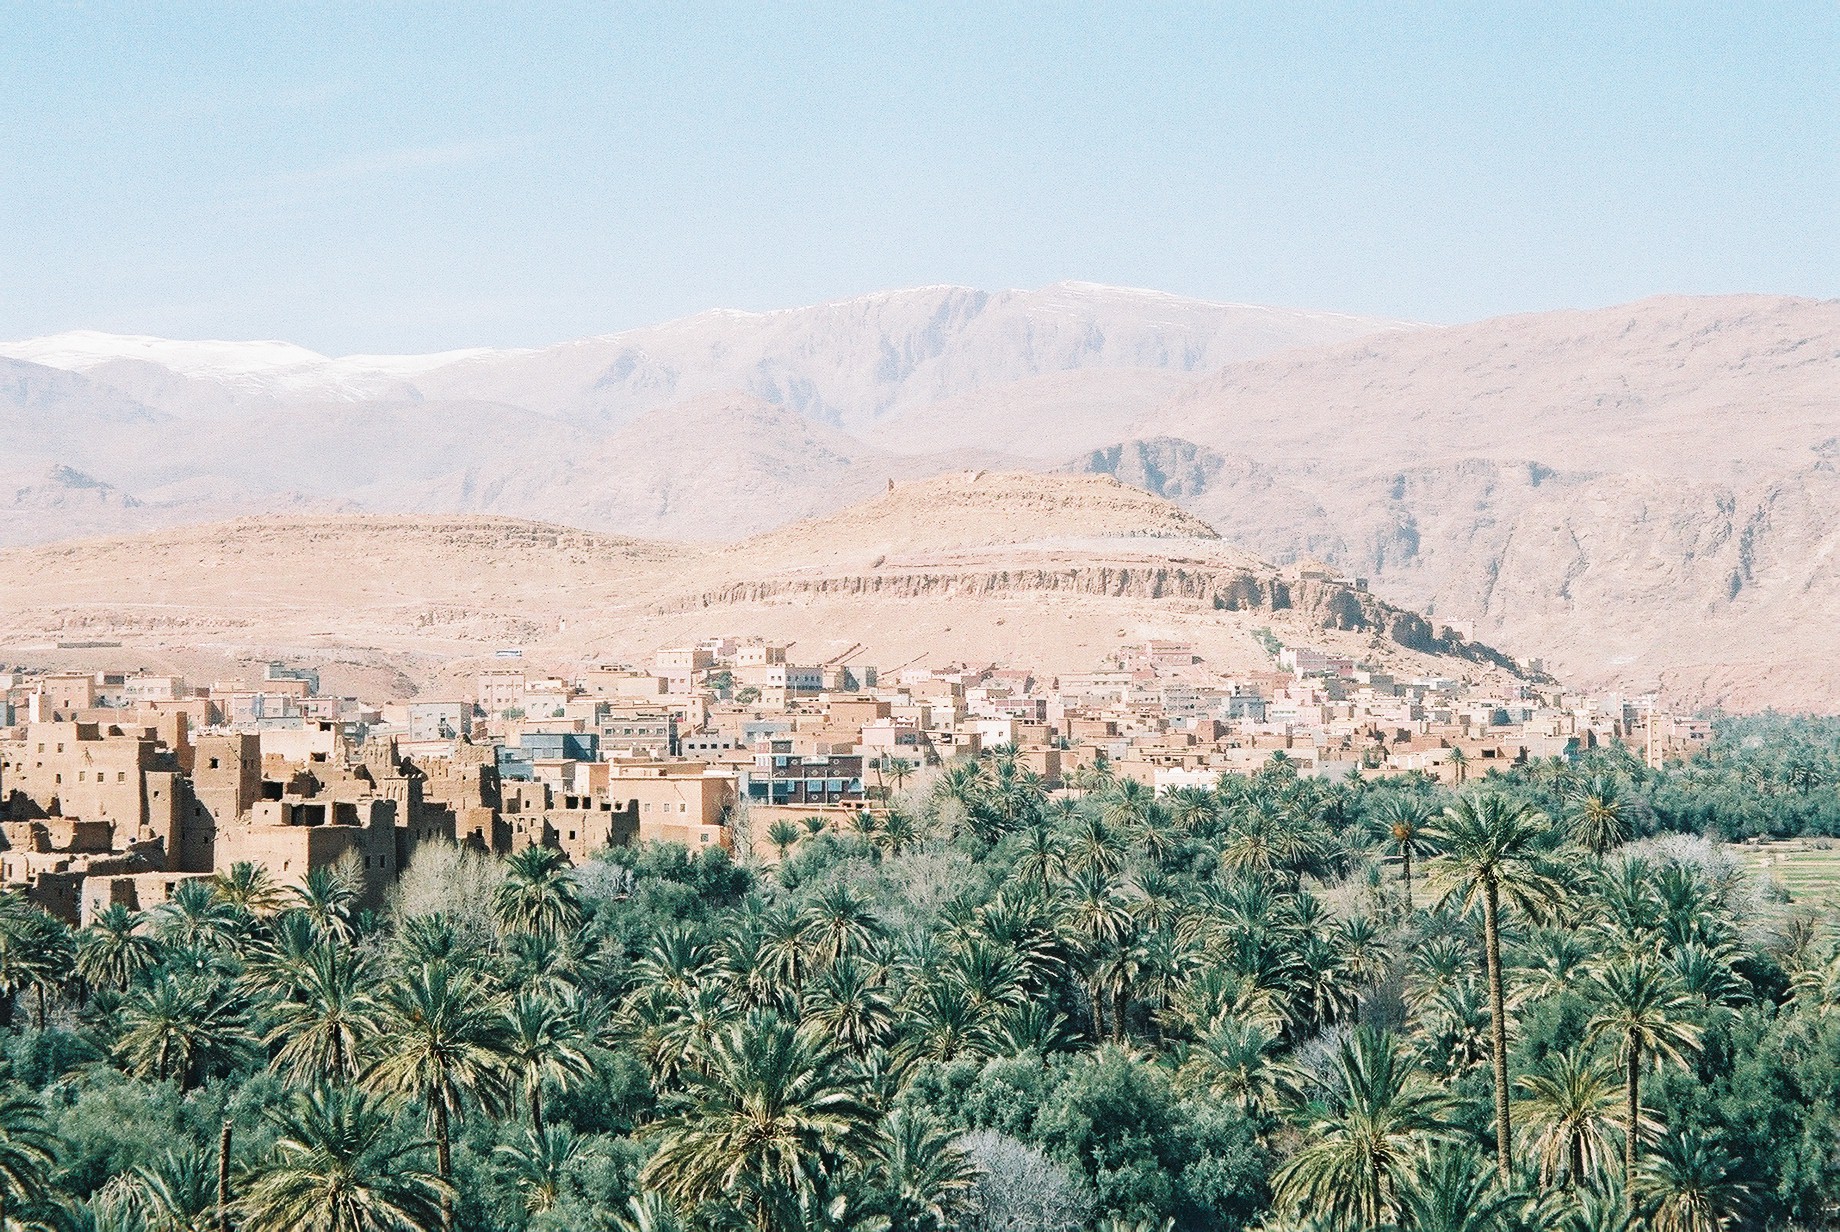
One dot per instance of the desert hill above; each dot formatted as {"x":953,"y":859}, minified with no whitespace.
{"x":1640,"y":495}
{"x":1645,"y":496}
{"x":1052,"y":572}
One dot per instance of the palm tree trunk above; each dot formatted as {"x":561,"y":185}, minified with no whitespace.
{"x":1405,"y":867}
{"x":1498,"y":1026}
{"x":534,"y":1094}
{"x":41,"y":1011}
{"x":444,"y":1163}
{"x":223,"y":1178}
{"x":1632,"y":1111}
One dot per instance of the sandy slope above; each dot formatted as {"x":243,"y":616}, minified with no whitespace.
{"x":1051,"y":572}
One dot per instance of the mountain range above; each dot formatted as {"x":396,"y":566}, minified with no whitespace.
{"x":1643,"y":496}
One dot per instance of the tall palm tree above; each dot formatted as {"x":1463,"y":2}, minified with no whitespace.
{"x":1191,"y":809}
{"x":115,"y":948}
{"x":336,"y":1167}
{"x":1458,"y":761}
{"x":436,"y":938}
{"x":1646,"y":1014}
{"x":543,"y":1046}
{"x":1042,"y":855}
{"x":49,"y":951}
{"x":928,"y":1180}
{"x":776,"y":1112}
{"x":441,"y":1045}
{"x":538,"y":895}
{"x":900,"y":770}
{"x":27,"y":1152}
{"x":1490,"y":844}
{"x":647,"y":1212}
{"x":1364,"y":952}
{"x":1403,"y":822}
{"x":899,"y":832}
{"x":942,"y":1023}
{"x":1378,"y":1115}
{"x":1570,"y":1103}
{"x":324,"y":1018}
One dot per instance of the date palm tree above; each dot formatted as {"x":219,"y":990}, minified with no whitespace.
{"x":115,"y":949}
{"x":539,"y":1163}
{"x":899,"y":831}
{"x":1491,"y":852}
{"x":1452,"y":1190}
{"x":1403,"y":822}
{"x":850,"y":1006}
{"x":1043,"y":855}
{"x":442,"y":1046}
{"x":647,"y":1212}
{"x":336,"y":1167}
{"x":538,"y":895}
{"x":928,"y":1180}
{"x":1378,"y":1116}
{"x":32,"y":957}
{"x":195,"y":917}
{"x":1458,"y":761}
{"x":1570,"y":1103}
{"x":543,"y":1047}
{"x":783,"y":834}
{"x":1646,"y":1015}
{"x":1237,"y":1062}
{"x":183,"y":1027}
{"x":249,"y":889}
{"x":1690,"y":1185}
{"x":324,"y":1018}
{"x":176,"y":1193}
{"x":329,"y":898}
{"x":27,"y":1151}
{"x":838,"y":921}
{"x":777,"y":1111}
{"x":1596,"y":816}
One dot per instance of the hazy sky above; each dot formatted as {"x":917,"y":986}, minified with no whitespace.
{"x":395,"y":177}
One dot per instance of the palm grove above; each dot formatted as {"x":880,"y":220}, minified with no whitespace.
{"x":1282,"y":1003}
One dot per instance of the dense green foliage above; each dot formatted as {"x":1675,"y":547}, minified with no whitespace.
{"x":992,"y":1008}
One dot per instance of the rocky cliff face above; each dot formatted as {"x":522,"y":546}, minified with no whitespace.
{"x":1322,"y":605}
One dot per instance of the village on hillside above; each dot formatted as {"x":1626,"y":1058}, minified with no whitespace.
{"x":116,"y":787}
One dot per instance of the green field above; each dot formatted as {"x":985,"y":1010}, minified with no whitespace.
{"x":1809,"y":869}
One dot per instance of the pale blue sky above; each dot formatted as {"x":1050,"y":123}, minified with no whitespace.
{"x":396,"y":177}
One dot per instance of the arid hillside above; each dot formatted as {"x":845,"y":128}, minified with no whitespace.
{"x":1052,"y":572}
{"x":1646,"y":496}
{"x":1643,"y":496}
